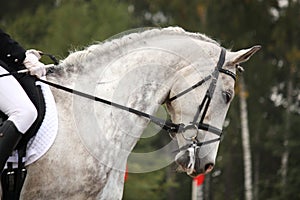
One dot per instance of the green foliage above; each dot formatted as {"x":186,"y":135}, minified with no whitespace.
{"x":189,"y":15}
{"x":69,"y":25}
{"x":28,"y":30}
{"x":11,"y":10}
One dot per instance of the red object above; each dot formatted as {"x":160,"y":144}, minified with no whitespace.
{"x":199,"y":179}
{"x":126,"y":174}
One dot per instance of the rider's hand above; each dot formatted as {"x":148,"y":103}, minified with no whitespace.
{"x":33,"y":64}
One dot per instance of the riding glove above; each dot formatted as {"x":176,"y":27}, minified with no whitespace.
{"x":33,"y":64}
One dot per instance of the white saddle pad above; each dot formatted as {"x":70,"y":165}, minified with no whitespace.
{"x":41,"y":143}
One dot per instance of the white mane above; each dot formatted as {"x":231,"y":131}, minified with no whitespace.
{"x":112,"y":47}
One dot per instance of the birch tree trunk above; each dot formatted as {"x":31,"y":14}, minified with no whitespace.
{"x":245,"y":141}
{"x":285,"y":154}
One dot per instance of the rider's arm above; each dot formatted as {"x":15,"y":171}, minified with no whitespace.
{"x":16,"y":56}
{"x":11,"y":52}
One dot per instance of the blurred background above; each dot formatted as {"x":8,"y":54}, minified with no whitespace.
{"x":270,"y":85}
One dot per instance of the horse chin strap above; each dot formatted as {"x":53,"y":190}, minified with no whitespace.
{"x":203,"y":107}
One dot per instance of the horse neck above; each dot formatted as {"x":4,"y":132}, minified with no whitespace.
{"x":136,"y":83}
{"x":143,"y":88}
{"x":139,"y":76}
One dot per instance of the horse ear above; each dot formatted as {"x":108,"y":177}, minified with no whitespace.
{"x":244,"y":55}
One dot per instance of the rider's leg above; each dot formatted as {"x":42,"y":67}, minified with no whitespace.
{"x":21,"y":113}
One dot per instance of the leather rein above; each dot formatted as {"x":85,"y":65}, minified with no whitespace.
{"x":168,"y":125}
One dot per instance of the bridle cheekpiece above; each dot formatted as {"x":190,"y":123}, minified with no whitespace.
{"x":203,"y":107}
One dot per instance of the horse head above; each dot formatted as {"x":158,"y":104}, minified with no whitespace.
{"x":200,"y":104}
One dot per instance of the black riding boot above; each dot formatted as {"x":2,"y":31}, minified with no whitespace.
{"x":9,"y":138}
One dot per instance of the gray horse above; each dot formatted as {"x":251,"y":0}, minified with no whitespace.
{"x":190,"y":73}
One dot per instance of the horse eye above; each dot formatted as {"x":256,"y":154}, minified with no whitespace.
{"x":227,"y":95}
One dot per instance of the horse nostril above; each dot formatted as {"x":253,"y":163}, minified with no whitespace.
{"x":208,"y":167}
{"x":183,"y":160}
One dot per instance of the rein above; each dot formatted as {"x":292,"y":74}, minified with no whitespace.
{"x":169,"y":126}
{"x":166,"y":125}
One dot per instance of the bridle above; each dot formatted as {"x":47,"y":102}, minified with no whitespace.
{"x":203,"y":107}
{"x":169,"y":126}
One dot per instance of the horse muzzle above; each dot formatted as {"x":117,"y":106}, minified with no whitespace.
{"x":189,"y":161}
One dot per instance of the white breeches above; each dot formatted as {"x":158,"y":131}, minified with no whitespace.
{"x":15,"y":103}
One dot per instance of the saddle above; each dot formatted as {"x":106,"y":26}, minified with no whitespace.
{"x":12,"y":179}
